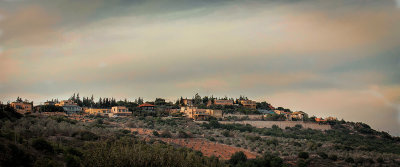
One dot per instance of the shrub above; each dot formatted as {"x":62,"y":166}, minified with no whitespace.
{"x":253,"y":138}
{"x":72,"y":161}
{"x":226,"y":133}
{"x":85,"y":135}
{"x":297,"y":144}
{"x":125,"y":131}
{"x":303,"y":155}
{"x":301,"y":163}
{"x":73,"y":151}
{"x":131,"y":124}
{"x":298,"y":126}
{"x":42,"y":145}
{"x":16,"y":156}
{"x":182,"y":134}
{"x":46,"y":161}
{"x":166,"y":134}
{"x":322,"y":155}
{"x":380,"y":160}
{"x":349,"y":160}
{"x":333,"y":157}
{"x":360,"y":160}
{"x":155,"y":133}
{"x":237,"y":158}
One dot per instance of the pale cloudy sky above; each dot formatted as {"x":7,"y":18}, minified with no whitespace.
{"x":326,"y":57}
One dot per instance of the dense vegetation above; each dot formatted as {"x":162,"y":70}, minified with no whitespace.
{"x":366,"y":139}
{"x":58,"y":141}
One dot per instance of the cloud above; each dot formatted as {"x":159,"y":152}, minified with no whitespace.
{"x":22,"y":27}
{"x":208,"y":85}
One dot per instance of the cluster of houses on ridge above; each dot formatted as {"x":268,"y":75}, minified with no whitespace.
{"x":187,"y":108}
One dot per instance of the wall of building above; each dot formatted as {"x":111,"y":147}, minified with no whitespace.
{"x":22,"y":107}
{"x":97,"y":111}
{"x":251,"y":117}
{"x":280,"y":124}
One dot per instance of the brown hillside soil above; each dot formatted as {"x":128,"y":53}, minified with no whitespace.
{"x":209,"y":148}
{"x":141,"y":131}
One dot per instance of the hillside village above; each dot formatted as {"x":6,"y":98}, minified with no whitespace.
{"x":197,"y":108}
{"x":198,"y":131}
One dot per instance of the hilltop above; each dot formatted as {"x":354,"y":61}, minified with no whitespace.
{"x":163,"y":137}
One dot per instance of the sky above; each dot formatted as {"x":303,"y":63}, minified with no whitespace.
{"x":328,"y":58}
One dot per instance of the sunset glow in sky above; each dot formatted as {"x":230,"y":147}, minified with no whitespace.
{"x":325,"y":57}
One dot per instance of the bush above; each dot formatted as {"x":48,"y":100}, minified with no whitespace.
{"x":297,"y":144}
{"x":42,"y":145}
{"x":298,"y":126}
{"x":131,"y":124}
{"x":253,"y":138}
{"x":303,"y":155}
{"x":322,"y":155}
{"x":125,"y":131}
{"x":155,"y":133}
{"x":85,"y":135}
{"x":212,"y":139}
{"x":301,"y":163}
{"x":73,"y":151}
{"x":380,"y":160}
{"x":166,"y":134}
{"x":182,"y":134}
{"x":333,"y":157}
{"x":226,"y":133}
{"x":237,"y":158}
{"x":72,"y":161}
{"x":349,"y":160}
{"x":12,"y":155}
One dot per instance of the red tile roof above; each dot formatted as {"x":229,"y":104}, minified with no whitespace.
{"x":146,"y":105}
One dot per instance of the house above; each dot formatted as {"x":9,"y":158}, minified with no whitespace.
{"x":117,"y":111}
{"x":49,"y":103}
{"x":22,"y":107}
{"x":266,"y":111}
{"x":97,"y":111}
{"x":248,"y":104}
{"x":66,"y":103}
{"x":187,"y":102}
{"x":223,"y":102}
{"x":288,"y":115}
{"x":319,"y":120}
{"x":299,"y":115}
{"x":69,"y":106}
{"x":200,"y":114}
{"x":279,"y":112}
{"x":146,"y":107}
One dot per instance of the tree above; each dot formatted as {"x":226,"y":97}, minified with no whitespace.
{"x":159,"y":102}
{"x":100,"y":103}
{"x":42,"y":145}
{"x":303,"y":155}
{"x":78,"y":100}
{"x":72,"y":98}
{"x":237,"y":158}
{"x":140,"y":101}
{"x":19,"y":99}
{"x":197,"y":99}
{"x":205,"y":99}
